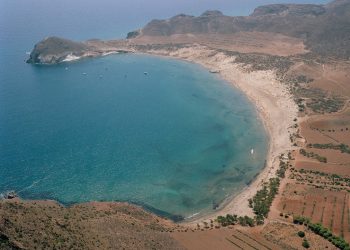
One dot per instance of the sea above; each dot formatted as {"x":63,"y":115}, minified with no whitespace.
{"x":176,"y":140}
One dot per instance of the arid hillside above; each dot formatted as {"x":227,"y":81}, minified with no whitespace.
{"x":325,"y":29}
{"x":48,"y":225}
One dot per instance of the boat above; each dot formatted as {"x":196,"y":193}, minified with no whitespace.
{"x":145,"y":73}
{"x":252,"y":151}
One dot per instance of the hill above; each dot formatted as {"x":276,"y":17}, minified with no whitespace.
{"x":97,"y":225}
{"x":325,"y":29}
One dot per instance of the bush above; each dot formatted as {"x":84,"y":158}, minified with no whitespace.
{"x":301,"y":234}
{"x":262,"y":201}
{"x":229,"y":219}
{"x":306,"y":244}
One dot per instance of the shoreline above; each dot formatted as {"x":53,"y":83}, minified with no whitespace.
{"x":275,"y":108}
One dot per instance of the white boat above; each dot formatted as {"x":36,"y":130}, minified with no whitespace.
{"x":252,"y":151}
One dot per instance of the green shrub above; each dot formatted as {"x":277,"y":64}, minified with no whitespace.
{"x":306,"y":244}
{"x":319,"y":229}
{"x":262,"y":201}
{"x":301,"y":234}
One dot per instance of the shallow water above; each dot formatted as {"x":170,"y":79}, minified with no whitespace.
{"x":177,"y":140}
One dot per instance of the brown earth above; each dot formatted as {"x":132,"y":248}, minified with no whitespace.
{"x":244,"y":42}
{"x":48,"y":225}
{"x":224,"y":239}
{"x":285,"y":234}
{"x":314,"y":189}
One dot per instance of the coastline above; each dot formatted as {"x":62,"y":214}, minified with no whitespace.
{"x":275,"y":107}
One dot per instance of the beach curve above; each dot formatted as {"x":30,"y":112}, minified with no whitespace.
{"x":275,"y":107}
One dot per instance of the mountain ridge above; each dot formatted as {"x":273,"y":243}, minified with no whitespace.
{"x":325,"y":29}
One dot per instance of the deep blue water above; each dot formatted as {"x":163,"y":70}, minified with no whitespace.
{"x":177,"y":140}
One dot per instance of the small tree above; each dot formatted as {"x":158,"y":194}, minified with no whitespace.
{"x":301,"y":234}
{"x":306,"y":244}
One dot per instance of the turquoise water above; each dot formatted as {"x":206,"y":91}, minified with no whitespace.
{"x":176,"y":141}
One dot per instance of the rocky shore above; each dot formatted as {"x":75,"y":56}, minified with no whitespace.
{"x":53,"y":50}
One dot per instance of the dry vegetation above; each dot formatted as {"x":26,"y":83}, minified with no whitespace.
{"x":243,"y":42}
{"x":47,"y":225}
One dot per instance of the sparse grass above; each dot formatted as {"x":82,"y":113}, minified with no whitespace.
{"x":317,"y":100}
{"x":255,"y":62}
{"x":42,"y":226}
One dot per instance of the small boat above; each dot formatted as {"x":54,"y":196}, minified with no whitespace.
{"x":252,"y":151}
{"x":145,"y":73}
{"x":84,"y":73}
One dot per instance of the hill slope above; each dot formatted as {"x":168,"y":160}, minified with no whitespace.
{"x":325,"y":29}
{"x":48,"y":225}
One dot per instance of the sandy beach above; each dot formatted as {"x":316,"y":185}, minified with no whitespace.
{"x":275,"y":107}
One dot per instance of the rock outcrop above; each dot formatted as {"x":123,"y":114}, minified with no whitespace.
{"x":54,"y":49}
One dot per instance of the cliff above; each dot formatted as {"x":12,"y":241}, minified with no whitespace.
{"x":55,"y":49}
